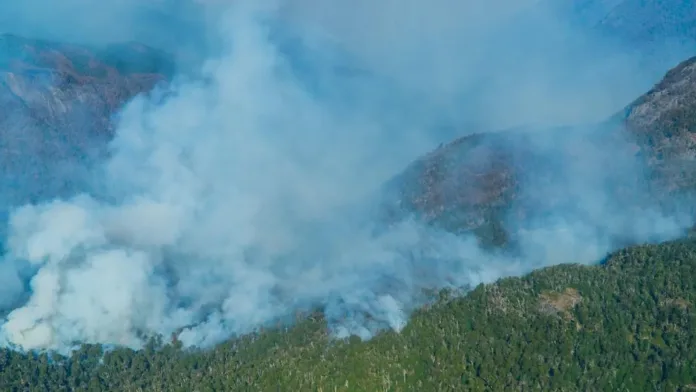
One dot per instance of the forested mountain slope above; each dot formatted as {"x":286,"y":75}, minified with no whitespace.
{"x":624,"y":325}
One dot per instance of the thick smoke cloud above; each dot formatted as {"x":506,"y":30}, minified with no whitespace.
{"x":173,"y":25}
{"x":108,"y":21}
{"x":492,"y":64}
{"x":238,"y":199}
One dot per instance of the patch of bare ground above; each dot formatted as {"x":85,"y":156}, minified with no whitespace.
{"x":675,"y":302}
{"x":559,"y":303}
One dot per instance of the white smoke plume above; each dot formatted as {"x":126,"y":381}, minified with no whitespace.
{"x":236,"y":200}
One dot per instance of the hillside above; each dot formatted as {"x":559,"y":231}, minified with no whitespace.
{"x":74,"y":87}
{"x":651,"y":21}
{"x":492,"y":184}
{"x":625,"y":325}
{"x":639,"y":22}
{"x":56,"y":103}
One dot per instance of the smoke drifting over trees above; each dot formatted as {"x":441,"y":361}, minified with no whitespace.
{"x":235,"y":199}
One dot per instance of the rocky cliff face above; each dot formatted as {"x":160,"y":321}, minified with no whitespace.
{"x":56,"y":106}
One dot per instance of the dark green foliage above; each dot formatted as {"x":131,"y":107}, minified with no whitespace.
{"x":627,"y":325}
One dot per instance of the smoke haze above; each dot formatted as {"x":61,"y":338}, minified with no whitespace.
{"x":236,"y":200}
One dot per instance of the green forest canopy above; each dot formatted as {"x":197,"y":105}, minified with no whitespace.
{"x":625,"y":325}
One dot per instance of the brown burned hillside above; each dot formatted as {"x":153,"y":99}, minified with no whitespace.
{"x":493,"y":183}
{"x":69,"y":89}
{"x":663,"y":123}
{"x":57,"y":102}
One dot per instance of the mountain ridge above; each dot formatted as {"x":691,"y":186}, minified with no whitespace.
{"x":657,"y":128}
{"x":57,"y":102}
{"x":625,"y":325}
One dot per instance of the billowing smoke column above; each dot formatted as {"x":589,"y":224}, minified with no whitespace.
{"x":224,"y":211}
{"x":233,"y":201}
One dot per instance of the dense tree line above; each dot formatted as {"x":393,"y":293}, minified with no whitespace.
{"x":626,"y":325}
